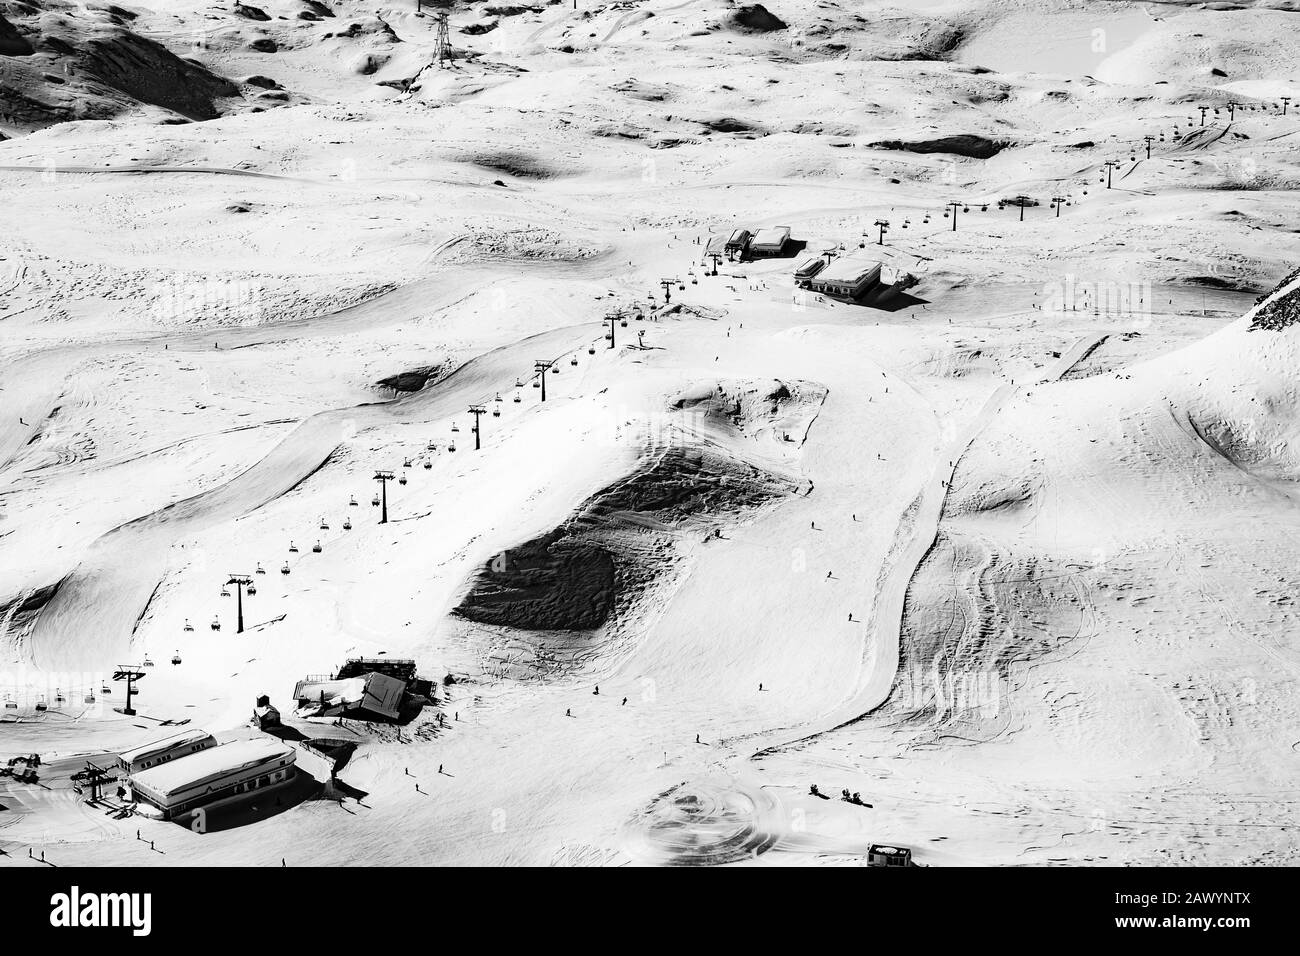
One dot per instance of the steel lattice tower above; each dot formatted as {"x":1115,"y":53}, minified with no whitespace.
{"x":444,"y":54}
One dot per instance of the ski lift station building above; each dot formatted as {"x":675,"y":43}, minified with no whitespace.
{"x":371,"y":696}
{"x":769,"y":242}
{"x":807,"y":269}
{"x":737,"y":241}
{"x":880,"y":855}
{"x":162,"y":751}
{"x":846,"y":277}
{"x":214,"y":774}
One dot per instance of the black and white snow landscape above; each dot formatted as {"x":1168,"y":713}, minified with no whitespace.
{"x":647,"y":432}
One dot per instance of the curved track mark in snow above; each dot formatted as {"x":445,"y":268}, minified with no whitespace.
{"x":705,"y":823}
{"x":1194,"y":432}
{"x":208,"y":170}
{"x":880,"y":656}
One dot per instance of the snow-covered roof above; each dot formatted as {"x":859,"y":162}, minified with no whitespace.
{"x":213,"y":763}
{"x":810,"y":267}
{"x":773,"y":236}
{"x":155,"y":747}
{"x":848,"y":270}
{"x":374,"y":692}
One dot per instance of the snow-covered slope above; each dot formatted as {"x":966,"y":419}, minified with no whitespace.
{"x":1008,"y":552}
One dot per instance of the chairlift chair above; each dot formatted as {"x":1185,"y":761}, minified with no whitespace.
{"x":427,"y":465}
{"x":407,"y":463}
{"x":316,"y":548}
{"x":225,"y":592}
{"x":455,"y":427}
{"x":375,"y":501}
{"x":146,"y":662}
{"x":623,"y":323}
{"x":496,"y":411}
{"x":400,"y":481}
{"x":41,"y":705}
{"x":324,"y":525}
{"x":591,"y":350}
{"x":347,"y":525}
{"x":518,"y":398}
{"x":451,"y":446}
{"x":352,"y":502}
{"x":285,"y":569}
{"x":260,"y":569}
{"x":251,"y":589}
{"x":188,"y":626}
{"x":216,"y":625}
{"x":90,"y":697}
{"x":176,"y":658}
{"x":574,"y":360}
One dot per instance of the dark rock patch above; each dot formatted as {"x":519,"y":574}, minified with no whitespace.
{"x":552,"y":583}
{"x":515,"y":163}
{"x":962,"y":144}
{"x":410,"y":381}
{"x":13,"y":43}
{"x":575,"y":577}
{"x":756,"y":18}
{"x":729,"y":124}
{"x":251,"y":13}
{"x":1282,"y":312}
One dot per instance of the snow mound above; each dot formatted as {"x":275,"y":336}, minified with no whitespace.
{"x":783,"y":409}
